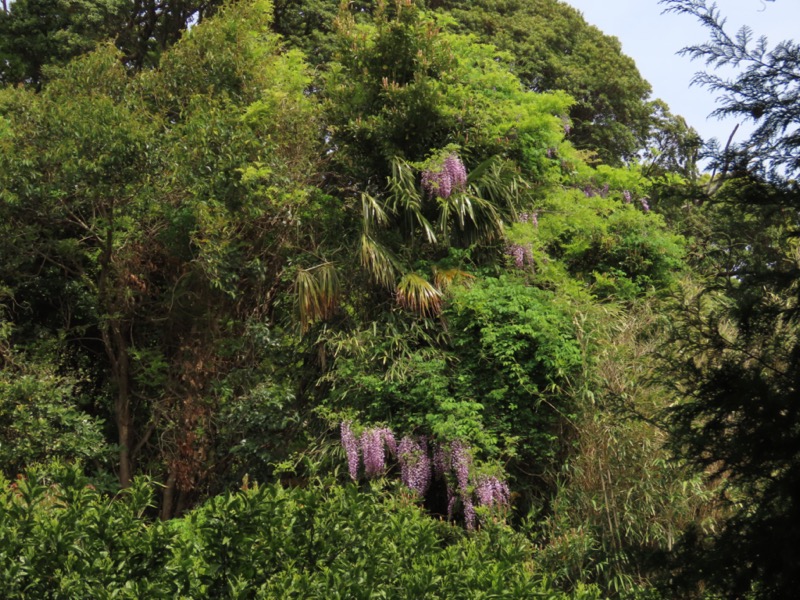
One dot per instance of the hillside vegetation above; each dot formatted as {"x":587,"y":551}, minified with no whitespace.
{"x":387,"y":299}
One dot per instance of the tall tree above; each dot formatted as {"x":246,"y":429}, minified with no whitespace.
{"x":740,"y":349}
{"x":553,"y":48}
{"x":36,"y":33}
{"x":145,"y":219}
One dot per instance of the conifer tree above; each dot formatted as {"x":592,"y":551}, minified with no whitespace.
{"x":740,"y":351}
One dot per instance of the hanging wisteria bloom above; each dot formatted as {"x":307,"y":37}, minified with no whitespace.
{"x":469,"y":511}
{"x":452,"y":462}
{"x":523,"y":253}
{"x":460,"y":463}
{"x":645,"y":204}
{"x":415,"y":465}
{"x":351,"y":448}
{"x":626,"y":196}
{"x":441,"y":460}
{"x":491,"y":491}
{"x":373,"y":444}
{"x":451,"y":502}
{"x":452,"y":177}
{"x":532,"y":218}
{"x":372,"y":447}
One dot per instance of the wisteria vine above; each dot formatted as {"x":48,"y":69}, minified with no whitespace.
{"x":421,"y":462}
{"x":452,"y":177}
{"x":523,"y":253}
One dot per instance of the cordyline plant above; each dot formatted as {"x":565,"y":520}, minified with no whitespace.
{"x":451,"y":462}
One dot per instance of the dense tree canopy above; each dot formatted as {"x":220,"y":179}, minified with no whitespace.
{"x":320,"y":299}
{"x":555,"y":49}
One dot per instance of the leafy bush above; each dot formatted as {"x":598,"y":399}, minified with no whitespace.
{"x":40,"y":420}
{"x":61,"y":538}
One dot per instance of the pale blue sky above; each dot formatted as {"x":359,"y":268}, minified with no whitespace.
{"x":652,"y":39}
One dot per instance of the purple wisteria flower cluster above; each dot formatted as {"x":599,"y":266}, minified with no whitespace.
{"x":590,"y":191}
{"x":452,"y":177}
{"x":490,"y":491}
{"x":372,"y":448}
{"x":523,"y":253}
{"x":351,"y":449}
{"x":415,"y":464}
{"x":451,"y":463}
{"x":460,"y":462}
{"x":644,"y":201}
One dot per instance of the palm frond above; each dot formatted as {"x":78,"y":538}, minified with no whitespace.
{"x":317,"y":293}
{"x":373,"y":214}
{"x":328,"y":284}
{"x":475,"y":217}
{"x":417,"y":295}
{"x":499,"y":182}
{"x":406,"y":199}
{"x":378,"y":261}
{"x":444,"y":278}
{"x":307,"y":298}
{"x":415,"y":214}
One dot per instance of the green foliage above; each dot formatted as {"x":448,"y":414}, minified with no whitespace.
{"x":764,"y":89}
{"x":221,"y":254}
{"x":396,"y":370}
{"x":621,"y":501}
{"x":735,"y":354}
{"x":672,"y":146}
{"x":498,"y":382}
{"x":618,"y":248}
{"x":517,"y":350}
{"x":157,"y":202}
{"x":61,"y":538}
{"x":307,"y":25}
{"x":402,"y":87}
{"x":555,"y":49}
{"x":262,"y":542}
{"x":41,"y":418}
{"x":38,"y":33}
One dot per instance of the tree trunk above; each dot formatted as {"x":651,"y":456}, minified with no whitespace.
{"x":168,"y":498}
{"x":117,"y":350}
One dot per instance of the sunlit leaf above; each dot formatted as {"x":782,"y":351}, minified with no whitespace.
{"x":419,"y":296}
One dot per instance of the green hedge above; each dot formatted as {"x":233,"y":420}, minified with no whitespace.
{"x":62,"y":538}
